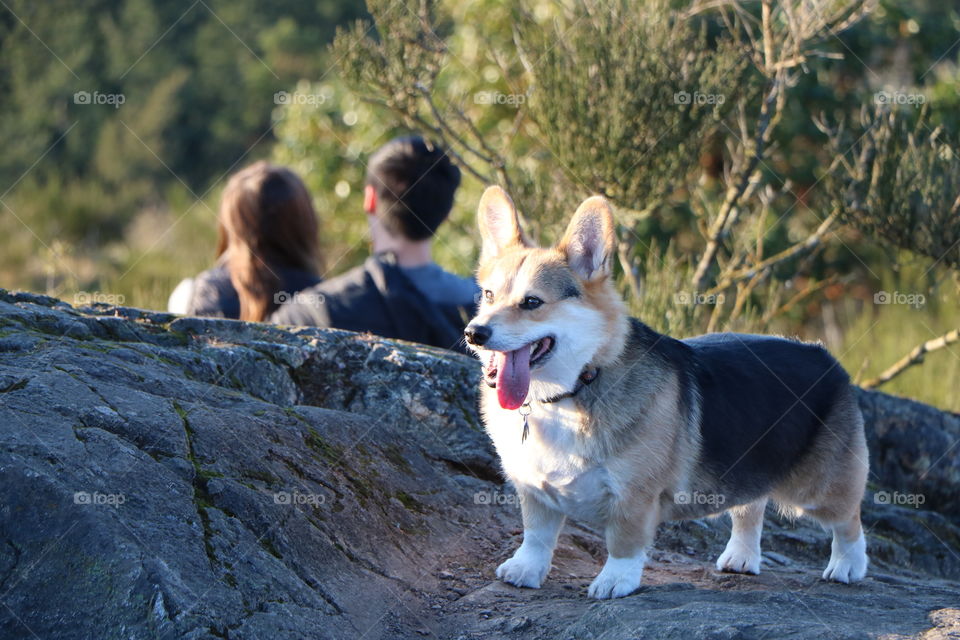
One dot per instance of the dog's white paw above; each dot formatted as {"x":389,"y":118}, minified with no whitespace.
{"x":739,"y":557}
{"x":527,"y":568}
{"x":848,"y":561}
{"x":619,"y":577}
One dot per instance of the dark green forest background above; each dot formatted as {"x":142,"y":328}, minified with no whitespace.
{"x":121,"y":120}
{"x":198,"y":80}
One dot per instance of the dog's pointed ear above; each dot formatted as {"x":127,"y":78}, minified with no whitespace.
{"x":590,"y":241}
{"x":499,"y":225}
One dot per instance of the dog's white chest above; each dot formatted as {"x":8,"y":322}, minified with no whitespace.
{"x":551,"y":463}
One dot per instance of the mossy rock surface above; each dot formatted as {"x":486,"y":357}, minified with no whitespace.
{"x":166,"y":477}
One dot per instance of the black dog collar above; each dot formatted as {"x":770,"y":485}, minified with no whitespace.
{"x":587,"y":376}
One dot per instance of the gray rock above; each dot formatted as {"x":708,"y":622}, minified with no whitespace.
{"x":166,"y":477}
{"x":914,"y":451}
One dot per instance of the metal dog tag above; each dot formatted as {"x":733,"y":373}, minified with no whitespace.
{"x":525,"y":411}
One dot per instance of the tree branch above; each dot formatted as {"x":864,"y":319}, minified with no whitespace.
{"x":771,"y":104}
{"x":915,"y":356}
{"x":809,"y":243}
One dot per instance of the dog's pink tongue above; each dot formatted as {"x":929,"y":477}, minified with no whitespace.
{"x":513,"y":377}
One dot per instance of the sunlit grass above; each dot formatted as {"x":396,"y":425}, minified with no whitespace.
{"x":157,"y":250}
{"x":883,"y":334}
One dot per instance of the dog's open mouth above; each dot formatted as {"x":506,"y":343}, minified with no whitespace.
{"x":509,"y":371}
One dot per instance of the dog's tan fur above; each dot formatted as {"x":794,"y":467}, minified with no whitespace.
{"x":619,"y":453}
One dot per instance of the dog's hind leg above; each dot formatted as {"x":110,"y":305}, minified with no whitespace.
{"x":829,"y":487}
{"x":848,"y":552}
{"x":839,"y":511}
{"x":742,"y":554}
{"x":530,"y":565}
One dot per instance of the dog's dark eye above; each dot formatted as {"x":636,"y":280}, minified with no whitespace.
{"x":488,"y":295}
{"x":531,"y":302}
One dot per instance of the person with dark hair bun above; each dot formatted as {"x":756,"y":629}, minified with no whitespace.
{"x":410,"y":188}
{"x":399,"y":291}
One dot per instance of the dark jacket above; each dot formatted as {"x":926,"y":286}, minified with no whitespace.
{"x":214,"y":296}
{"x":377,"y":297}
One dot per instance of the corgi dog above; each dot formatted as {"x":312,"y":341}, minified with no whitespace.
{"x":597,"y":417}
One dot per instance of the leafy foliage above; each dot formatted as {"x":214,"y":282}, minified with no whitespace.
{"x":902,"y":184}
{"x":647,"y":92}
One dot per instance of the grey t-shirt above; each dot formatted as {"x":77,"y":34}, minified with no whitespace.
{"x":442,"y":287}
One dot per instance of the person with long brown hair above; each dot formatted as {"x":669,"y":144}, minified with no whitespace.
{"x":267,"y":251}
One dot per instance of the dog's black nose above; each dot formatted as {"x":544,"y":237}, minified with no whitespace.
{"x":478,"y":334}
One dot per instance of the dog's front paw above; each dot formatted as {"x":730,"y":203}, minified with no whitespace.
{"x":525,"y":569}
{"x":739,"y":558}
{"x":619,"y":577}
